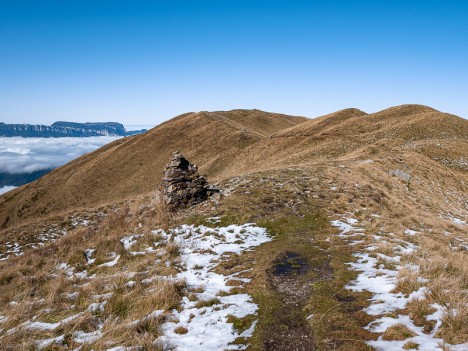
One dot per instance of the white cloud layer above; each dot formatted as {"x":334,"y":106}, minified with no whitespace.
{"x":6,"y":188}
{"x":25,"y":155}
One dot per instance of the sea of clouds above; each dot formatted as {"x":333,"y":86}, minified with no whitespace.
{"x":6,"y":188}
{"x":26,"y":155}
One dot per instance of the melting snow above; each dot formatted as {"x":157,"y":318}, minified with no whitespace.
{"x":380,"y":281}
{"x":207,"y":327}
{"x":202,"y":248}
{"x":42,"y":344}
{"x":458,"y":221}
{"x":89,"y":254}
{"x":97,"y":306}
{"x":112,"y":263}
{"x":130,"y":284}
{"x":49,"y":326}
{"x":129,"y":241}
{"x":81,"y":337}
{"x":214,"y":220}
{"x":426,"y":342}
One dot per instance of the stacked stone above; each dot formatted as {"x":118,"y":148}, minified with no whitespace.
{"x":182,"y":186}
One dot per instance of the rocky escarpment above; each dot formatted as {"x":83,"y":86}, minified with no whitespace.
{"x":65,"y":129}
{"x":182,"y":185}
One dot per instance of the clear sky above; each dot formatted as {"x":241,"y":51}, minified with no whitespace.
{"x":143,"y":62}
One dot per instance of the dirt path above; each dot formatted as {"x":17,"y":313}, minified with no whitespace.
{"x":297,"y":279}
{"x":291,"y":278}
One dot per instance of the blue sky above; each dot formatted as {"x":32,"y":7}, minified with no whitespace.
{"x":143,"y":62}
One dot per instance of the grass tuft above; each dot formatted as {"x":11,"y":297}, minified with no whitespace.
{"x":398,"y":332}
{"x":207,"y":303}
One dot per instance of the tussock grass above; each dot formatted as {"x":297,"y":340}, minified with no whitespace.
{"x":422,"y":205}
{"x":207,"y":303}
{"x":398,"y":332}
{"x":410,"y":345}
{"x":34,"y":285}
{"x":294,"y":202}
{"x":241,"y":324}
{"x":181,"y":330}
{"x":455,"y":326}
{"x":161,"y":212}
{"x":408,"y":281}
{"x":418,"y":310}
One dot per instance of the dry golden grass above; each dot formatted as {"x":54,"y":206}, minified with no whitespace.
{"x":454,"y":329}
{"x":227,"y":144}
{"x":448,"y":272}
{"x":349,"y":150}
{"x":397,"y":332}
{"x":410,"y":345}
{"x":408,"y":281}
{"x":164,"y":216}
{"x":418,"y":310}
{"x":435,"y":191}
{"x":32,"y":286}
{"x":133,"y":166}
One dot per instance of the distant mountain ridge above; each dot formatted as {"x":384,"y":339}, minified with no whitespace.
{"x":66,"y":129}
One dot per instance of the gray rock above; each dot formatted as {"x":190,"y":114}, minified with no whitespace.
{"x":400,"y":174}
{"x":182,"y":186}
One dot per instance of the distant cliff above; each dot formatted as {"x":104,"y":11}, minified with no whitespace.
{"x":65,"y":129}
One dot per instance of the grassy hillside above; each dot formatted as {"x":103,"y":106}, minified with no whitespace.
{"x":344,"y":232}
{"x":132,"y":166}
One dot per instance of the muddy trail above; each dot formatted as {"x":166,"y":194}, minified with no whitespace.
{"x":298,"y":279}
{"x":292,"y":277}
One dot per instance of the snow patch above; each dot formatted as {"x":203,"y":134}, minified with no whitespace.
{"x":44,"y":343}
{"x":81,"y":337}
{"x":458,"y":221}
{"x":49,"y":326}
{"x":88,"y":255}
{"x":112,"y":263}
{"x":129,"y":241}
{"x":207,"y":327}
{"x":381,"y":282}
{"x":410,"y":232}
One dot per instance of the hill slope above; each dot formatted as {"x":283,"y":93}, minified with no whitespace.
{"x":226,"y":144}
{"x":133,"y":165}
{"x":347,"y":232}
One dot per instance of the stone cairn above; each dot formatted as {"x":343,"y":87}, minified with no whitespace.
{"x":182,"y":186}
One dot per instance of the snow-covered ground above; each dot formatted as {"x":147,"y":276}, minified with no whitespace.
{"x":207,"y":327}
{"x":203,"y":323}
{"x":54,"y":232}
{"x":381,"y":281}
